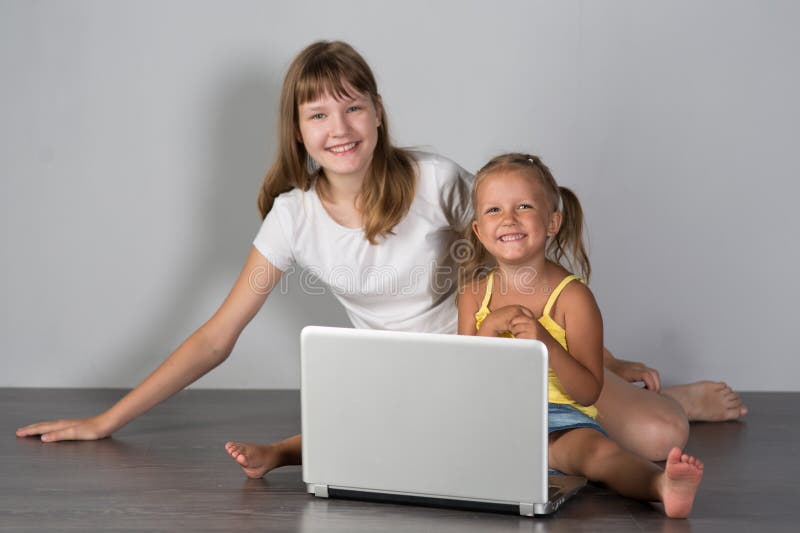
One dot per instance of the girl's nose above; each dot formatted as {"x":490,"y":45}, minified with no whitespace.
{"x":509,"y":218}
{"x":339,"y":125}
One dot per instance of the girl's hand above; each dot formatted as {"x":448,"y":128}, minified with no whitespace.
{"x":92,"y":428}
{"x":633,"y":371}
{"x":499,"y":320}
{"x":526,"y":327}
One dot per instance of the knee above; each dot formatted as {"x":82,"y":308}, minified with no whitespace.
{"x":663,"y":432}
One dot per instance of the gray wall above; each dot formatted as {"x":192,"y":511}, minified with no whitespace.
{"x":134,"y":136}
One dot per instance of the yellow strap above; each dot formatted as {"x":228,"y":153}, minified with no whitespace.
{"x":556,"y":292}
{"x":488,"y":295}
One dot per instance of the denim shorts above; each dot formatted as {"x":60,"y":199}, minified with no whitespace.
{"x":561,"y":416}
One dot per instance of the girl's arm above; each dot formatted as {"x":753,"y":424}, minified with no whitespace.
{"x":632,"y":371}
{"x":581,"y":369}
{"x":468,"y":303}
{"x":202,"y":351}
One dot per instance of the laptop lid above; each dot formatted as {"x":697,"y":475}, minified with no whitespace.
{"x":424,"y":415}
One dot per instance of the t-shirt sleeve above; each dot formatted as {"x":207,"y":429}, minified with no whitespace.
{"x":455,"y":194}
{"x":272,"y":240}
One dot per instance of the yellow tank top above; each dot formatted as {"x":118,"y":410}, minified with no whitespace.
{"x":556,"y":392}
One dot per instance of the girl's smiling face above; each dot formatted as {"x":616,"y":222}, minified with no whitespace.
{"x":514,"y":217}
{"x":340,"y":134}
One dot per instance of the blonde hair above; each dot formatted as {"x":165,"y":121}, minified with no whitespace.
{"x":334,"y":68}
{"x":566,"y":248}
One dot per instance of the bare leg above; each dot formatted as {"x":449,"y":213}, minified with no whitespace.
{"x":587,"y":452}
{"x":258,"y":459}
{"x":644,"y":422}
{"x":708,"y":401}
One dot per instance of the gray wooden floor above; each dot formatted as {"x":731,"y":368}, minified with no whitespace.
{"x":168,"y":471}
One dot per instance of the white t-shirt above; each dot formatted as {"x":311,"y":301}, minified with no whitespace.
{"x":408,"y":280}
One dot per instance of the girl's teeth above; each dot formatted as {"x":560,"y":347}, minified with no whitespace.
{"x":514,"y":237}
{"x":340,"y":149}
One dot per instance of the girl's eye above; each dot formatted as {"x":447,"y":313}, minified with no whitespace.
{"x":317,"y":116}
{"x":493,"y":210}
{"x":354,"y":108}
{"x":525,"y":206}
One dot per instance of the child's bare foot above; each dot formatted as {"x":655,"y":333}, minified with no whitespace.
{"x":682,"y":475}
{"x":255,"y":459}
{"x":708,"y":401}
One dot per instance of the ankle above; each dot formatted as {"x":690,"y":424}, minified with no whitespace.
{"x":285,"y":454}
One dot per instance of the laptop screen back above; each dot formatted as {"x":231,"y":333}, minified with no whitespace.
{"x":425,"y":414}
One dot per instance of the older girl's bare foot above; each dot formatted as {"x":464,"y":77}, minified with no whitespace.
{"x":255,"y":459}
{"x":708,"y":401}
{"x":682,"y":475}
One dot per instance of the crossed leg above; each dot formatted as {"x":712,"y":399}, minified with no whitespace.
{"x":651,"y":424}
{"x":643,"y":422}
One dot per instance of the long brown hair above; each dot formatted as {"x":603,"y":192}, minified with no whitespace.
{"x":332,"y":68}
{"x":565,"y":248}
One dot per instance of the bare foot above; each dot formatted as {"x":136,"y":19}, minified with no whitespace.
{"x":708,"y":401}
{"x":682,"y":475}
{"x":255,"y":459}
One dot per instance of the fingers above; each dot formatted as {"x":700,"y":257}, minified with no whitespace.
{"x":525,"y":328}
{"x":651,"y":379}
{"x":40,"y":428}
{"x":55,"y":431}
{"x":61,"y":434}
{"x":520,"y":319}
{"x":633,"y":371}
{"x":526,"y":312}
{"x":521,"y":323}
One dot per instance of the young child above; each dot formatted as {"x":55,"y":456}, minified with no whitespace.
{"x":525,"y":227}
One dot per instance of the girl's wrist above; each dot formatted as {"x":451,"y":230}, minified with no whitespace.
{"x":107,"y":423}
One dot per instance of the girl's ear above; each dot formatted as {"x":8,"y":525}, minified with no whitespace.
{"x":475,"y":229}
{"x":556,"y":218}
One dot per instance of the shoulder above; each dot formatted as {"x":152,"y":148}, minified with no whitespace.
{"x":288,"y":205}
{"x":444,"y":187}
{"x":290,"y":198}
{"x":472,"y":292}
{"x":286,"y":210}
{"x":576,"y":299}
{"x":438,"y":168}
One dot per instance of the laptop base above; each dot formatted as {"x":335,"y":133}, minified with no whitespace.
{"x":566,"y":488}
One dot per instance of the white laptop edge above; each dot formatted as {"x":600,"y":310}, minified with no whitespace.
{"x":568,"y":485}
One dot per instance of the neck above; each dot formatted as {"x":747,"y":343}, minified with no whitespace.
{"x":339,"y":189}
{"x":525,"y":276}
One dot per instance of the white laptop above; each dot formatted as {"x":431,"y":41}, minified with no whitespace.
{"x":428,"y":419}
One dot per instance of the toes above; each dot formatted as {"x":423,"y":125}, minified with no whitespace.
{"x":233,"y":449}
{"x":674,"y":455}
{"x":733,"y":400}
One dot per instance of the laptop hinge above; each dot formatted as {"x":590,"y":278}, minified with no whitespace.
{"x":526,"y":509}
{"x":320,"y":491}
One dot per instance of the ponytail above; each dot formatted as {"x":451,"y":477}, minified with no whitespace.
{"x":567,"y":247}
